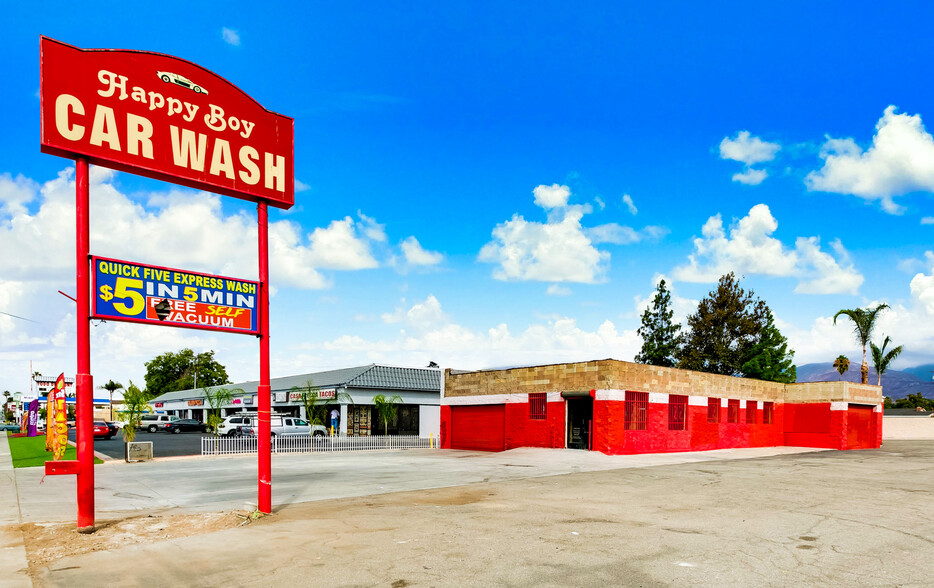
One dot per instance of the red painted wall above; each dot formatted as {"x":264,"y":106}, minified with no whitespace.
{"x":802,"y":425}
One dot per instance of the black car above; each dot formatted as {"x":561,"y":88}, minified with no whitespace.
{"x":177,"y":426}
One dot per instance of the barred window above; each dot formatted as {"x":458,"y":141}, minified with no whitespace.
{"x":751,"y":406}
{"x":768,"y":413}
{"x":637,"y":408}
{"x":677,"y":412}
{"x":538,"y":406}
{"x":713,"y":410}
{"x":732,"y":411}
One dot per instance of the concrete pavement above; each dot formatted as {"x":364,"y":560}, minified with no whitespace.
{"x":826,"y":518}
{"x":205,"y":484}
{"x":13,"y":565}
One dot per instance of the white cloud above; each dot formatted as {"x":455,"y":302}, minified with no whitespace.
{"x":341,"y":246}
{"x":552,"y":252}
{"x":907,"y":323}
{"x":600,"y":203}
{"x":748,"y":149}
{"x":553,"y":196}
{"x":558,"y":290}
{"x":623,"y":235}
{"x":450,"y":344}
{"x":927,"y":220}
{"x":900,"y":160}
{"x":230,"y":36}
{"x":750,"y":176}
{"x":15,"y":193}
{"x":415,"y":254}
{"x":627,"y":200}
{"x":301,"y":186}
{"x":560,"y":250}
{"x":750,"y":249}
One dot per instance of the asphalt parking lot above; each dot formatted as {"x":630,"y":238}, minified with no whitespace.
{"x":163,"y":444}
{"x":530,"y":518}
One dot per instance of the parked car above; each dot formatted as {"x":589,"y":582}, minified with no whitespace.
{"x":9,"y":427}
{"x":103,"y":431}
{"x":180,"y":425}
{"x":279,"y":425}
{"x":154,"y":422}
{"x":118,"y":424}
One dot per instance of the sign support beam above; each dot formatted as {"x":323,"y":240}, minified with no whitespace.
{"x":84,"y":382}
{"x":264,"y":401}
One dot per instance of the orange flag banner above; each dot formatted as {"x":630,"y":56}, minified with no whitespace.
{"x":59,"y":426}
{"x":49,"y":418}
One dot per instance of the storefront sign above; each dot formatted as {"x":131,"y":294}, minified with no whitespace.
{"x":280,"y":397}
{"x":197,"y":402}
{"x":248,"y":401}
{"x":320,"y":394}
{"x":236,"y":401}
{"x":133,"y":292}
{"x":158,"y":404}
{"x":166,"y":118}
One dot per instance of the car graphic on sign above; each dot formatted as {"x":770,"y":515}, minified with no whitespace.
{"x":167,"y":76}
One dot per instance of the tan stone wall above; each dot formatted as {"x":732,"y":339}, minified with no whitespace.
{"x":611,"y":374}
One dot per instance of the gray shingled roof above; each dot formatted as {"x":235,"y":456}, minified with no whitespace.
{"x":380,"y":377}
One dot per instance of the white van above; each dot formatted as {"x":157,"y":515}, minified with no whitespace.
{"x":154,"y":422}
{"x":279,"y":424}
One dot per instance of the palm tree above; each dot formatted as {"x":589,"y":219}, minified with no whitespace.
{"x":111,"y":386}
{"x":881,"y":359}
{"x":863,"y":322}
{"x":217,"y":399}
{"x":841,"y":364}
{"x":134,"y":405}
{"x":386,"y":408}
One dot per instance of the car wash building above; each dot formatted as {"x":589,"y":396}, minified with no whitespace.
{"x":617,"y":407}
{"x":350,"y":391}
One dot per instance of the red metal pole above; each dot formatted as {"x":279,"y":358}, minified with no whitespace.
{"x":263,"y":445}
{"x":84,"y":382}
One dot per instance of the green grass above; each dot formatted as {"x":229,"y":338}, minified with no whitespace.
{"x":29,"y":452}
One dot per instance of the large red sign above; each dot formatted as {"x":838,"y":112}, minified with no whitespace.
{"x":165,"y":118}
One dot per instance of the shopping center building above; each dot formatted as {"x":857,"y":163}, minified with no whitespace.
{"x":349,"y":390}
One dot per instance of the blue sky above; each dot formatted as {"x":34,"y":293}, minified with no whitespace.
{"x":486,"y":185}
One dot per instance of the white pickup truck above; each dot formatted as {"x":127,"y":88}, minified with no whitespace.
{"x":247,"y":424}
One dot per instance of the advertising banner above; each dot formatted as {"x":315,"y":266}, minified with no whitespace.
{"x":166,"y":118}
{"x":60,"y":424}
{"x":133,"y":292}
{"x":50,"y":418}
{"x":33,"y":417}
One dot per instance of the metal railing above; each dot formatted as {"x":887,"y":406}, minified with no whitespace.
{"x":309,"y":444}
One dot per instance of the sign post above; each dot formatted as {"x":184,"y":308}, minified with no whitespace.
{"x":169,"y":119}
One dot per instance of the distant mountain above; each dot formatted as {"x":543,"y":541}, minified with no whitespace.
{"x":895,"y":384}
{"x":924,"y":372}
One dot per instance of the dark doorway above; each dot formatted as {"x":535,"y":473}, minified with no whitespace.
{"x":580,"y":422}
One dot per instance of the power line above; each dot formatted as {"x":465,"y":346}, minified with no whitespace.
{"x":19,"y":317}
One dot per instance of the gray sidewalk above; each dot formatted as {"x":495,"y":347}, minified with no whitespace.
{"x":212,"y":484}
{"x":12,"y":549}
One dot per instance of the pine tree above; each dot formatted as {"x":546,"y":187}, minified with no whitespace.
{"x":769,"y":357}
{"x":660,"y":337}
{"x":734,"y":334}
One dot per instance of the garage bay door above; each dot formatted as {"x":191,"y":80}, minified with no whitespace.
{"x":479,"y":428}
{"x":859,"y":427}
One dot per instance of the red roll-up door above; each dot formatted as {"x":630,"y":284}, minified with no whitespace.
{"x":481,"y":428}
{"x":859,"y":427}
